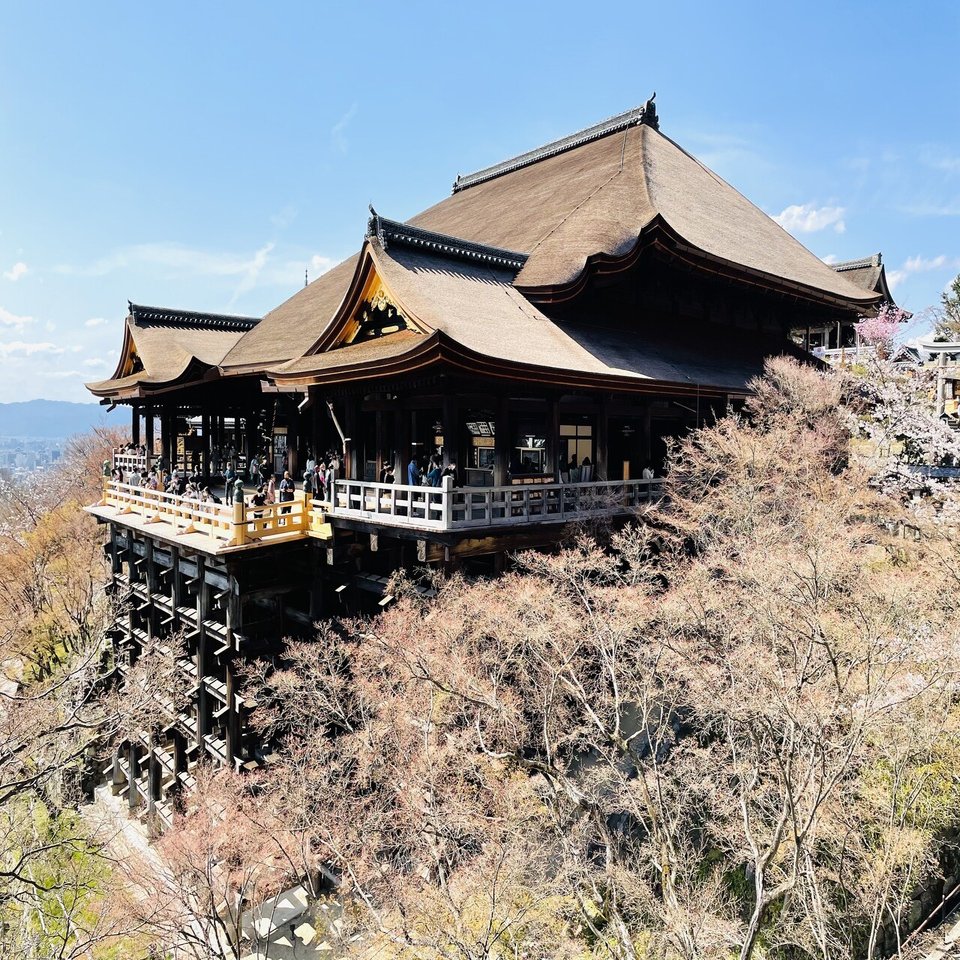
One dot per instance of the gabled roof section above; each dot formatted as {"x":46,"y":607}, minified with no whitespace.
{"x":164,"y":347}
{"x":868,"y":273}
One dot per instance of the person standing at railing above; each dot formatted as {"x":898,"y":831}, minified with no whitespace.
{"x":230,"y":477}
{"x":434,"y":474}
{"x":450,"y":470}
{"x":258,"y":500}
{"x":413,"y":472}
{"x":271,"y":490}
{"x":287,"y":488}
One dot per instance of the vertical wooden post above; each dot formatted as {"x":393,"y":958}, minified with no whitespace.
{"x":602,"y":446}
{"x":451,"y":432}
{"x":232,"y":726}
{"x":148,"y":423}
{"x":203,"y":699}
{"x":293,"y":442}
{"x":378,"y":441}
{"x":135,"y":424}
{"x":133,"y":791}
{"x":503,"y":441}
{"x":205,"y":445}
{"x":553,"y":464}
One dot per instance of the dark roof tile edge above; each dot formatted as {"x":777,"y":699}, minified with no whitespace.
{"x":875,"y":260}
{"x":163,"y":316}
{"x":393,"y":231}
{"x":645,"y":113}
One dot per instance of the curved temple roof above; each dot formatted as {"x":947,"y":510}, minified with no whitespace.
{"x":588,"y":198}
{"x":164,"y":347}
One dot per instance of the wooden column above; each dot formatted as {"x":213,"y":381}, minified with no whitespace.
{"x":601,"y":448}
{"x":378,"y":441}
{"x":205,"y":446}
{"x":553,"y":464}
{"x":502,"y":443}
{"x":452,"y":428}
{"x":203,"y":611}
{"x":402,"y":433}
{"x":149,"y":431}
{"x":646,"y":443}
{"x":232,"y":725}
{"x":350,"y":430}
{"x":133,"y":791}
{"x":135,"y":425}
{"x":293,"y":442}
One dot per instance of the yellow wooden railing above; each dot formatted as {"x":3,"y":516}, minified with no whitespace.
{"x":230,"y":524}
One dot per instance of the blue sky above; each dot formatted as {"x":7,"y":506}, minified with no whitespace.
{"x":203,"y":155}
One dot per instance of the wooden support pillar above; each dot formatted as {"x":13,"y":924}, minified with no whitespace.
{"x":203,"y":659}
{"x":646,"y":441}
{"x":350,"y":471}
{"x":115,"y":564}
{"x":452,"y":429}
{"x":117,"y":776}
{"x":135,"y":425}
{"x":402,"y":433}
{"x":232,"y":724}
{"x":179,"y":743}
{"x":149,"y":431}
{"x":293,"y":441}
{"x":154,"y":779}
{"x":553,"y":464}
{"x":205,"y":445}
{"x":133,"y":791}
{"x":503,"y":440}
{"x":150,"y":579}
{"x":602,"y":446}
{"x":378,"y":441}
{"x":165,"y":438}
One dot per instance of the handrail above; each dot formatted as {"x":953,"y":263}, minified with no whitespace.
{"x":234,"y":524}
{"x":132,"y":462}
{"x":456,"y":508}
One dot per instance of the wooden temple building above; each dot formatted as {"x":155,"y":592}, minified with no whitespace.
{"x":545,"y":328}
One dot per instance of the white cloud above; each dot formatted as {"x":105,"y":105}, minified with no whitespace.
{"x":895,"y":278}
{"x":831,"y":258}
{"x":319,"y":264}
{"x":95,"y":322}
{"x":16,"y":271}
{"x":920,"y":264}
{"x":180,"y":260}
{"x":252,"y":271}
{"x":923,"y":264}
{"x":337,"y":132}
{"x":96,"y":362}
{"x":8,"y":319}
{"x":806,"y":218}
{"x":22,"y":348}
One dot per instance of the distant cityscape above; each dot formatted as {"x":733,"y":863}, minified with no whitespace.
{"x":23,"y":457}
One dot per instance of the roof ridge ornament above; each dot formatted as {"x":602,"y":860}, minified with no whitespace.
{"x":874,"y":260}
{"x":393,"y":231}
{"x":645,"y":114}
{"x":166,"y":317}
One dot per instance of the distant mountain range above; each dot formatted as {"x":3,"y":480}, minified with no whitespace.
{"x":57,"y":418}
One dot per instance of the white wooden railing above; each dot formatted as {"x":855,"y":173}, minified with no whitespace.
{"x":131,"y":462}
{"x":397,"y":505}
{"x":232,"y":524}
{"x":458,"y":508}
